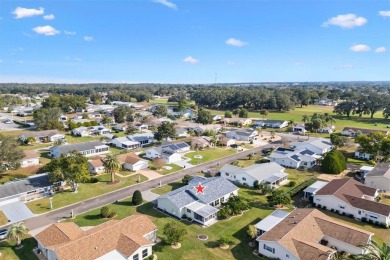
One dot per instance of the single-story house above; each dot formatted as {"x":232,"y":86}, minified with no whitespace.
{"x":81,"y":131}
{"x":201,"y":207}
{"x":31,"y":158}
{"x":271,"y":123}
{"x":130,"y":238}
{"x":379,"y":177}
{"x":87,"y":149}
{"x":242,"y":134}
{"x":125,"y":143}
{"x":225,"y":141}
{"x":351,"y":198}
{"x":327,"y":129}
{"x":294,"y":158}
{"x":95,"y":165}
{"x":132,"y":162}
{"x":167,"y":154}
{"x":353,"y":131}
{"x":299,"y":129}
{"x":312,"y":189}
{"x":181,"y":132}
{"x":141,"y":127}
{"x":308,"y":234}
{"x":317,"y":145}
{"x":42,"y":136}
{"x":33,"y":187}
{"x":99,"y":130}
{"x":143,"y":138}
{"x":237,"y":121}
{"x":364,"y":170}
{"x":363,"y":156}
{"x":200,"y":142}
{"x":120,"y":127}
{"x":270,"y":173}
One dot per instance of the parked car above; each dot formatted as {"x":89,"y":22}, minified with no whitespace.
{"x":235,"y":146}
{"x":8,"y":121}
{"x":3,"y":234}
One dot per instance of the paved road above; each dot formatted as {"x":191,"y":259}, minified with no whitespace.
{"x":96,"y":202}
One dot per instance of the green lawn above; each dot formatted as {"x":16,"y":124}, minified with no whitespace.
{"x":209,"y":154}
{"x":169,"y":187}
{"x":341,"y":121}
{"x":246,"y":162}
{"x":85,"y":191}
{"x":9,"y":252}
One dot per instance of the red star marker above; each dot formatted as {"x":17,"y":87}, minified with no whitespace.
{"x":199,"y":188}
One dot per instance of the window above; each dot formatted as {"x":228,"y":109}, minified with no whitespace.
{"x":373,"y":216}
{"x":270,"y":249}
{"x":287,"y":256}
{"x":243,"y":178}
{"x":144,"y":253}
{"x":227,"y":174}
{"x":359,"y":212}
{"x":135,"y":257}
{"x":188,"y":210}
{"x":342,"y":207}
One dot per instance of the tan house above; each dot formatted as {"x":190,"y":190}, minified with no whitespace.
{"x":308,"y":234}
{"x":95,"y":165}
{"x":130,"y":238}
{"x":200,"y":142}
{"x":225,"y":141}
{"x":31,"y":158}
{"x":132,"y":162}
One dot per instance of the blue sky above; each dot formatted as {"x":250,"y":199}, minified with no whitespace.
{"x":197,"y":41}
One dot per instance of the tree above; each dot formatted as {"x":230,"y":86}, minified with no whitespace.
{"x":165,"y":130}
{"x":111,"y":165}
{"x":160,"y":111}
{"x":224,"y":240}
{"x":252,"y":231}
{"x":30,"y":140}
{"x":264,"y":112}
{"x":174,"y":232}
{"x":204,"y":117}
{"x":333,"y":162}
{"x":47,"y":118}
{"x":17,"y":232}
{"x":278,"y":197}
{"x":137,"y":198}
{"x":344,"y":108}
{"x":228,"y":114}
{"x":105,"y":212}
{"x":96,"y":98}
{"x":336,"y":140}
{"x":375,"y":251}
{"x":122,"y":114}
{"x":59,"y":142}
{"x":159,"y":162}
{"x":243,"y":113}
{"x":71,"y":168}
{"x":264,"y":188}
{"x":371,"y":143}
{"x":10,"y":152}
{"x":186,"y":179}
{"x":131,"y":129}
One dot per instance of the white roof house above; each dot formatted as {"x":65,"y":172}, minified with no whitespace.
{"x":316,"y":145}
{"x":86,"y":149}
{"x":125,"y":143}
{"x":271,"y":173}
{"x":312,"y":189}
{"x":294,"y":158}
{"x":270,"y":221}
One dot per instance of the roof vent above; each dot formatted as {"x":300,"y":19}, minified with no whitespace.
{"x":96,"y":247}
{"x":295,"y":222}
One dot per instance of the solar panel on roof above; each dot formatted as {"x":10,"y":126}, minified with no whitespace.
{"x":173,"y":147}
{"x":182,"y":145}
{"x":296,"y":158}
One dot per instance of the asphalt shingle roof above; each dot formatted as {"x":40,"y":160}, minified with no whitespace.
{"x":20,"y":186}
{"x":80,"y":146}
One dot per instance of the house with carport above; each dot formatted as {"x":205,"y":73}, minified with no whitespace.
{"x":91,"y":148}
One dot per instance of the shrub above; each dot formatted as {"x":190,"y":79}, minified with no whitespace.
{"x":105,"y":212}
{"x":224,"y":240}
{"x":137,"y":198}
{"x":224,"y":213}
{"x":153,"y":168}
{"x":291,"y":184}
{"x":94,"y":180}
{"x":174,"y":232}
{"x":186,"y":179}
{"x":112,"y":215}
{"x":334,"y":162}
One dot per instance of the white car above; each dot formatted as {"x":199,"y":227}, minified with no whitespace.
{"x":8,"y":121}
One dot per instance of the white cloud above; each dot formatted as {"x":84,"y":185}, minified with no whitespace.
{"x":235,"y":42}
{"x":229,"y":62}
{"x":384,"y":13}
{"x":360,"y":48}
{"x":21,"y":12}
{"x":346,"y":21}
{"x":191,"y":60}
{"x":380,"y":49}
{"x":166,"y":3}
{"x":88,"y":38}
{"x":49,"y":17}
{"x":69,"y":33}
{"x":297,"y":63}
{"x":46,"y":30}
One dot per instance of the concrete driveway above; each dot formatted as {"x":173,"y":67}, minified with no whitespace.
{"x":184,"y":163}
{"x":16,"y":211}
{"x":148,"y":195}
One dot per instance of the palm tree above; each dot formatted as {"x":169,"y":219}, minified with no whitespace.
{"x":305,"y":118}
{"x":376,"y":251}
{"x":59,"y":142}
{"x":341,"y":256}
{"x":111,"y":165}
{"x":17,"y":232}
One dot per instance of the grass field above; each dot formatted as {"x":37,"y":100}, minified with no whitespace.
{"x":7,"y":248}
{"x":209,"y":154}
{"x":85,"y":191}
{"x":169,"y":187}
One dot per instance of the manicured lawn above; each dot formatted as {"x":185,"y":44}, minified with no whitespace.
{"x":85,"y":191}
{"x":80,"y":139}
{"x":209,"y":154}
{"x":3,"y":219}
{"x":385,"y":199}
{"x":246,"y":162}
{"x":381,"y":234}
{"x":174,"y":168}
{"x":9,"y":252}
{"x":169,"y":187}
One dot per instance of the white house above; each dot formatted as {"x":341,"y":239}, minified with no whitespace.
{"x":308,"y":234}
{"x":95,"y":165}
{"x":181,"y":132}
{"x":201,"y":207}
{"x":364,"y":170}
{"x":143,"y":138}
{"x":120,"y":127}
{"x":81,"y":131}
{"x":131,"y":238}
{"x":271,"y":123}
{"x":317,"y":145}
{"x":87,"y":149}
{"x":363,"y":156}
{"x":299,"y":129}
{"x":242,"y":134}
{"x":270,"y":173}
{"x":31,"y":158}
{"x":294,"y":158}
{"x":170,"y":152}
{"x":327,"y":129}
{"x":42,"y":136}
{"x":312,"y":189}
{"x":99,"y":130}
{"x":132,"y":162}
{"x":353,"y":131}
{"x":351,"y":198}
{"x":125,"y":143}
{"x":379,"y":177}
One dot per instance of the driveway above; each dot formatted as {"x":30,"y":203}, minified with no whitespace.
{"x":184,"y":163}
{"x":148,"y":195}
{"x":151,"y":175}
{"x":16,"y":211}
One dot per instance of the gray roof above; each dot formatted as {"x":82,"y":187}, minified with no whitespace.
{"x":381,"y":169}
{"x":215,"y":188}
{"x":41,"y":133}
{"x":80,"y":146}
{"x":269,"y":121}
{"x":24,"y":185}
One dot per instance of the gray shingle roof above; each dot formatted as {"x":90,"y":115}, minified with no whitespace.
{"x":80,"y":146}
{"x":381,"y":169}
{"x":24,"y":185}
